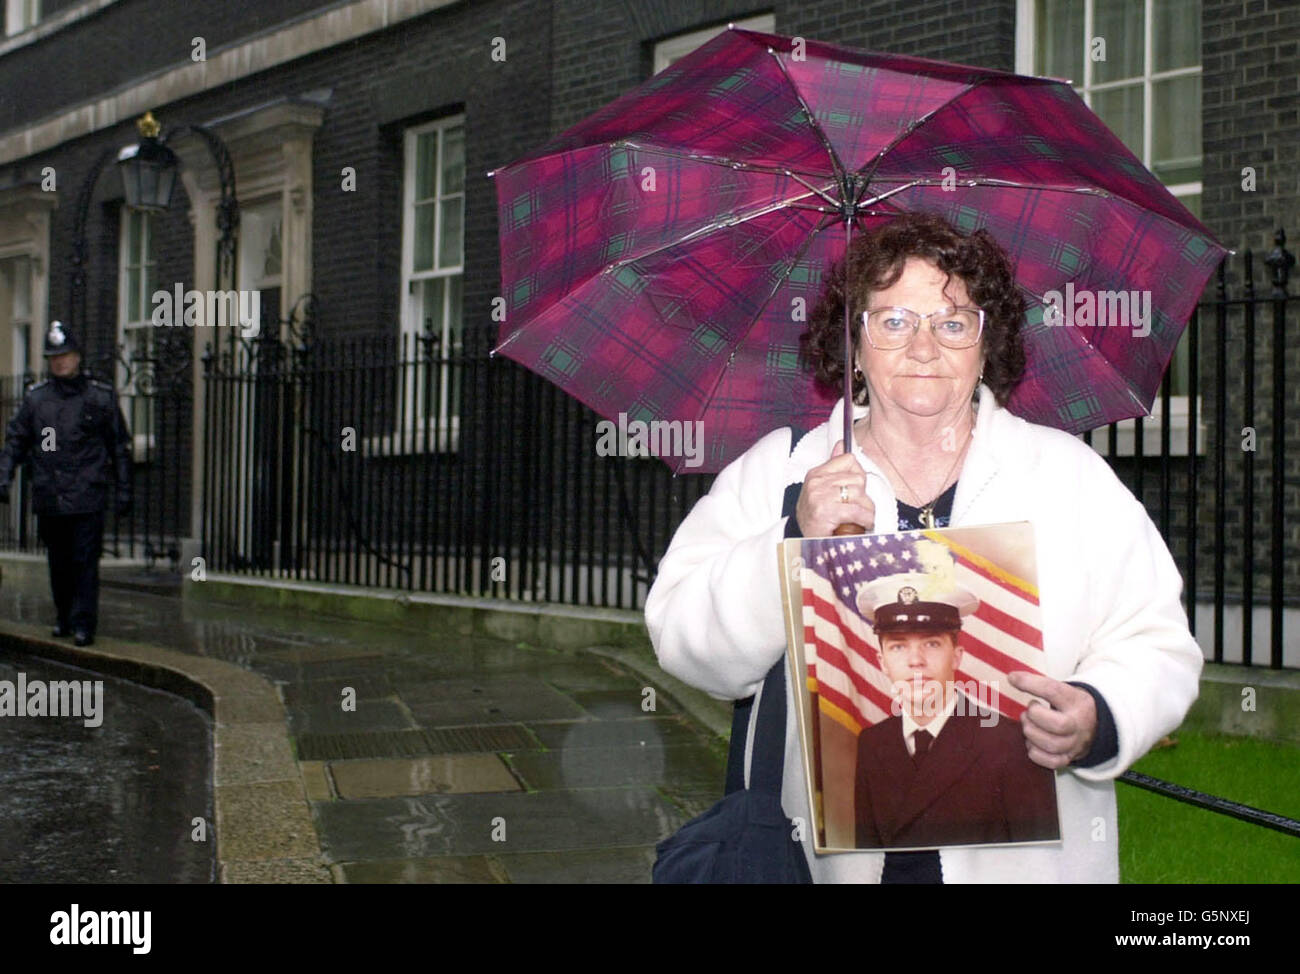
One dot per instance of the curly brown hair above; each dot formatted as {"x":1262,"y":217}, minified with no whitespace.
{"x":876,"y":261}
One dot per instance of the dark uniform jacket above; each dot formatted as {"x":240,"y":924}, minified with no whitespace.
{"x":92,"y":446}
{"x":976,"y":785}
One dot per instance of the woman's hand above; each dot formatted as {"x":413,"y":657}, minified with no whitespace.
{"x":1063,"y":732}
{"x":820,"y":509}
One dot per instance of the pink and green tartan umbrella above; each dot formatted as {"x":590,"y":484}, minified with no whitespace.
{"x":658,"y":259}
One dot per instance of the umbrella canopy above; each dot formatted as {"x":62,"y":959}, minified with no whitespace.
{"x":659,"y":259}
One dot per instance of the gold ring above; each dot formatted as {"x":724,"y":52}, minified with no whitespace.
{"x":844,"y":493}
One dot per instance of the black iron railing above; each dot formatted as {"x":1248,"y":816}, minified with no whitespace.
{"x":392,"y":460}
{"x":154,"y":394}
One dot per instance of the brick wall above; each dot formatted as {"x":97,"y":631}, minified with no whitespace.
{"x":125,"y":40}
{"x":1251,"y":104}
{"x":1250,"y":63}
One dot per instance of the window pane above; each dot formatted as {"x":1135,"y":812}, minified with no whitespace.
{"x":259,"y":245}
{"x":1122,"y":24}
{"x":133,"y":294}
{"x":450,"y":249}
{"x":1176,"y":25}
{"x":453,"y":161}
{"x":456,"y":337}
{"x":429,"y":319}
{"x":455,"y":331}
{"x":133,"y":237}
{"x":1121,"y":110}
{"x":423,"y":237}
{"x":1178,"y":374}
{"x":22,"y":287}
{"x":430,"y":311}
{"x":1193,"y":202}
{"x":425,"y":149}
{"x":1176,"y":139}
{"x":1060,"y":43}
{"x":22,"y":348}
{"x":272,"y":266}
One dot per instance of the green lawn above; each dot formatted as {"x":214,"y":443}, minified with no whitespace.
{"x":1166,"y":841}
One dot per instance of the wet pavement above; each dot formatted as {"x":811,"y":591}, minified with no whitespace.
{"x":112,"y":803}
{"x":447,"y":758}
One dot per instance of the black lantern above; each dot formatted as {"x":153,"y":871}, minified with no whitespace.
{"x":148,"y":169}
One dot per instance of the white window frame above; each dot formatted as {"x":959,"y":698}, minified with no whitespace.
{"x":21,"y":15}
{"x":21,"y":366}
{"x":1026,"y":15}
{"x":443,"y":432}
{"x":142,"y":442}
{"x":671,"y":48}
{"x":248,"y":276}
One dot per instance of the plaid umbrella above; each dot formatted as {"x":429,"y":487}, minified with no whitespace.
{"x":659,"y":258}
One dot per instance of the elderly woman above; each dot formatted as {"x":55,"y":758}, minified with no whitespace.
{"x":937,"y":352}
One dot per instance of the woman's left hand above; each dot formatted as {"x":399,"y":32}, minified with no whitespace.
{"x":1063,"y":732}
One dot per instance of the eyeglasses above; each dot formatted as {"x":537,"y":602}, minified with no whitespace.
{"x":896,"y":327}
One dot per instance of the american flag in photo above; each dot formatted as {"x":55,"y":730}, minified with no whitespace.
{"x":841,"y":650}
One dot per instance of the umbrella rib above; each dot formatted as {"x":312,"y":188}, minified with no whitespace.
{"x":761,"y":308}
{"x":709,"y":228}
{"x":722,"y":161}
{"x":912,"y":127}
{"x":1079,"y":336}
{"x":1004,"y":183}
{"x":840,"y":171}
{"x":822,"y":193}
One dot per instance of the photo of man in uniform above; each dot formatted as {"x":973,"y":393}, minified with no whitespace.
{"x":941,"y":771}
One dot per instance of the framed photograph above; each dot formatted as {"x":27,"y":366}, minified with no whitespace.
{"x":899,"y":648}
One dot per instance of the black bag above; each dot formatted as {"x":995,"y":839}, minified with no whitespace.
{"x":746,"y":837}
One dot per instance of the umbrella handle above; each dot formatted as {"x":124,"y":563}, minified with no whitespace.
{"x":849,"y":528}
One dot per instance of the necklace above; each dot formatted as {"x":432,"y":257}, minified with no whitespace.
{"x":927,"y":512}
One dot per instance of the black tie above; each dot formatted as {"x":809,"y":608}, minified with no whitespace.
{"x":923,"y":741}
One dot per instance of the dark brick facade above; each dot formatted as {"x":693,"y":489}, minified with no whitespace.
{"x":1251,"y":118}
{"x":564,"y":59}
{"x":1250,"y":64}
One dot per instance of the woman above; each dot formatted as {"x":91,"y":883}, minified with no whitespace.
{"x":933,"y":444}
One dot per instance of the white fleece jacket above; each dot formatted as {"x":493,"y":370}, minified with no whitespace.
{"x":1109,"y":594}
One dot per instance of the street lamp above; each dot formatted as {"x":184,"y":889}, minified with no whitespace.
{"x":148,"y":169}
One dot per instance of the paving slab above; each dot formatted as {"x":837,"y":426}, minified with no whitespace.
{"x":633,"y":865}
{"x":374,"y":685}
{"x":445,"y":774}
{"x":450,"y":703}
{"x":691,"y":768}
{"x":367,"y":714}
{"x":546,"y":821}
{"x":316,"y":780}
{"x":659,"y":731}
{"x":621,"y":704}
{"x":438,"y":870}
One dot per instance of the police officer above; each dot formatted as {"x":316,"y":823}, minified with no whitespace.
{"x":71,"y":428}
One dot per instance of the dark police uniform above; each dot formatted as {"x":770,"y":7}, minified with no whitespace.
{"x":76,"y":439}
